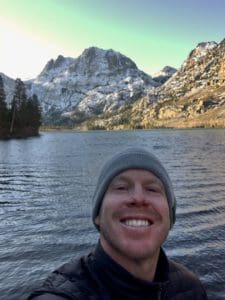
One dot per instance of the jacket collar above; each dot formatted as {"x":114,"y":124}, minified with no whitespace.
{"x":120,"y":282}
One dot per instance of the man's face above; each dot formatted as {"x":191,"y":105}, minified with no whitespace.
{"x":134,"y":216}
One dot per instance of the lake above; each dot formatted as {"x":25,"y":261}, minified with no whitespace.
{"x":46,"y":187}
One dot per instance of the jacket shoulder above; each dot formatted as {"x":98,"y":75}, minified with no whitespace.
{"x":185,"y":283}
{"x":70,"y":281}
{"x":48,"y":296}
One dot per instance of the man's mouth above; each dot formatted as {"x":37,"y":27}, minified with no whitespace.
{"x":137,"y":223}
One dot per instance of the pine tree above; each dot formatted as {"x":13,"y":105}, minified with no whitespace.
{"x":3,"y":107}
{"x":18,"y":109}
{"x":34,"y":112}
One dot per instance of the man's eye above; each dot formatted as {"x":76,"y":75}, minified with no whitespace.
{"x":121,"y":187}
{"x":152,"y":189}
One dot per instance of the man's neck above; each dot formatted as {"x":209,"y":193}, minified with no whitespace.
{"x":144,"y":269}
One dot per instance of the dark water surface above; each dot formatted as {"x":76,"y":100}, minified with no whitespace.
{"x":46,"y":185}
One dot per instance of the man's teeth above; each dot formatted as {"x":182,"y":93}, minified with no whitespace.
{"x":137,"y":223}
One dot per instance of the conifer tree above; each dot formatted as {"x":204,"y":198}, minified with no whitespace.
{"x":18,"y":108}
{"x":3,"y":106}
{"x":34,"y":112}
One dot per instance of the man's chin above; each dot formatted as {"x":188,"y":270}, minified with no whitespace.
{"x":141,"y":250}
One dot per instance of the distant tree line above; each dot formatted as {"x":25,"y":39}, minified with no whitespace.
{"x":23,"y":117}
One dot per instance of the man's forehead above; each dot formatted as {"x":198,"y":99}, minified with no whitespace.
{"x":145,"y":174}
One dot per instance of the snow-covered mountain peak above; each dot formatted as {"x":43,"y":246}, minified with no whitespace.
{"x":54,"y":67}
{"x":163,"y":75}
{"x":198,"y":53}
{"x":95,"y":80}
{"x":201,"y":50}
{"x":94,"y":59}
{"x":207,"y":45}
{"x":166,"y":71}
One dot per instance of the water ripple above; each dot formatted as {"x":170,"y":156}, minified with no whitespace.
{"x":46,"y":188}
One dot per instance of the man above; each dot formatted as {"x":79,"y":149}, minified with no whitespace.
{"x":134,"y":209}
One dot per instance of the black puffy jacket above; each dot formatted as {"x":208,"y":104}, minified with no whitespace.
{"x":98,"y":277}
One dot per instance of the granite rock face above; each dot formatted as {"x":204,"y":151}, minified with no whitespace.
{"x":204,"y":68}
{"x":97,"y":81}
{"x":9,"y":84}
{"x":193,"y":96}
{"x":105,"y":82}
{"x":166,"y":73}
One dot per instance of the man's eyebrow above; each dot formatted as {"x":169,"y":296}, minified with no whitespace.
{"x":155,"y":181}
{"x":123,"y":177}
{"x":120,"y":177}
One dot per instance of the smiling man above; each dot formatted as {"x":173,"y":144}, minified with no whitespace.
{"x":134,"y":209}
{"x":134,"y":221}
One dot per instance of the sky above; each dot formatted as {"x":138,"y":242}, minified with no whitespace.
{"x":153,"y":33}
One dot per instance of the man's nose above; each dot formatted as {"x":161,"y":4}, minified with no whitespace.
{"x":138,"y":196}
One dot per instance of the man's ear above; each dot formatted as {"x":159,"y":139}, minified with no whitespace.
{"x":97,"y":221}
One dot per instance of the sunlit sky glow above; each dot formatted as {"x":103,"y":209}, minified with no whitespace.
{"x":153,"y":33}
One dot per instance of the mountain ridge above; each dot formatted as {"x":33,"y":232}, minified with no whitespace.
{"x":94,"y":81}
{"x":105,"y":81}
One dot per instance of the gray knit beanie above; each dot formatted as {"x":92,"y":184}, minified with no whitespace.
{"x":132,"y":158}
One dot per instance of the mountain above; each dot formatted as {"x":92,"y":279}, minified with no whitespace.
{"x":199,"y":70}
{"x":8,"y":87}
{"x":194,"y":96}
{"x":105,"y":89}
{"x":163,"y":75}
{"x":197,"y":90}
{"x":96,"y":81}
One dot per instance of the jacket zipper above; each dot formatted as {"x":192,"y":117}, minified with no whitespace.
{"x":159,"y":294}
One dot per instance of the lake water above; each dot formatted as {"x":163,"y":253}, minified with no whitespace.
{"x":46,"y":184}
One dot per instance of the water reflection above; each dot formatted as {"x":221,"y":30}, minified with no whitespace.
{"x":46,"y":185}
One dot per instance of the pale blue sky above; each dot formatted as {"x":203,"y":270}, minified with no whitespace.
{"x":152,"y":33}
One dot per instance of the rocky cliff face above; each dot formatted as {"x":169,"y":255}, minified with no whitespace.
{"x":197,"y":90}
{"x":97,"y":81}
{"x":107,"y":84}
{"x":163,"y":75}
{"x":194,"y":96}
{"x":8,"y":87}
{"x":203,"y":69}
